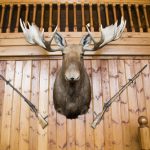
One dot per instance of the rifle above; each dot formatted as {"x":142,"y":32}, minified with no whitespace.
{"x":42,"y":120}
{"x":99,"y":116}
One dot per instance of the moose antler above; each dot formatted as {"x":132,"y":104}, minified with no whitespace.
{"x":34,"y":36}
{"x":108,"y":34}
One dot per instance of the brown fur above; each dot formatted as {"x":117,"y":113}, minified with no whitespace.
{"x":72,"y":98}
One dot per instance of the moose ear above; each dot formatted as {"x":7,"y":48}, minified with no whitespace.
{"x":60,"y":40}
{"x":86,"y":40}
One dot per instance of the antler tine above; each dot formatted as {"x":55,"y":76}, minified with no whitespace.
{"x":89,"y":32}
{"x":108,"y":34}
{"x":34,"y":36}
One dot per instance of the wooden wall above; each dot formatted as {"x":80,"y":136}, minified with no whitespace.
{"x":33,"y":71}
{"x":20,"y":130}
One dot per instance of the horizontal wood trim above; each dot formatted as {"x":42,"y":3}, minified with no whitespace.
{"x":78,"y":1}
{"x":76,"y":35}
{"x":130,"y":44}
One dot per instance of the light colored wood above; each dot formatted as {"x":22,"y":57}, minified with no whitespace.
{"x":75,"y":16}
{"x":61,"y":124}
{"x":34,"y":12}
{"x":116,"y":111}
{"x":144,"y":133}
{"x":98,"y":13}
{"x":106,"y":96}
{"x":97,"y":103}
{"x":27,"y":12}
{"x":131,"y":20}
{"x":106,"y":12}
{"x":133,"y":106}
{"x":140,"y":89}
{"x":66,"y":28}
{"x":80,"y":132}
{"x":76,"y":35}
{"x":7,"y":107}
{"x":15,"y":121}
{"x":91,"y":17}
{"x":50,"y":17}
{"x":124,"y":106}
{"x":2,"y":88}
{"x":28,"y":51}
{"x":71,"y":133}
{"x":2,"y":17}
{"x":52,"y":130}
{"x":146,"y":85}
{"x":138,"y":17}
{"x":42,"y":16}
{"x":79,"y":1}
{"x":43,"y":103}
{"x":58,"y":16}
{"x":125,"y":41}
{"x":146,"y":18}
{"x":35,"y":84}
{"x":122,"y":13}
{"x":114,"y":12}
{"x":9,"y":18}
{"x":83,"y":17}
{"x":89,"y":135}
{"x":24,"y":113}
{"x":17,"y":21}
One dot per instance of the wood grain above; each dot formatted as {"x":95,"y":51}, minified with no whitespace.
{"x":7,"y":107}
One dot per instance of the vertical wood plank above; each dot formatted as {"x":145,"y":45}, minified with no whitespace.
{"x":146,"y":84}
{"x":106,"y":96}
{"x":97,"y":103}
{"x":2,"y":17}
{"x":71,"y":126}
{"x":116,"y":112}
{"x":66,"y":28}
{"x":43,"y":103}
{"x":9,"y":19}
{"x":138,"y":17}
{"x":107,"y":17}
{"x":42,"y":16}
{"x":133,"y":106}
{"x":2,"y":90}
{"x":146,"y":18}
{"x":114,"y":12}
{"x":80,"y":133}
{"x":35,"y":100}
{"x":58,"y":17}
{"x":91,"y":17}
{"x":7,"y":107}
{"x":50,"y":18}
{"x":124,"y":106}
{"x":52,"y":113}
{"x":27,"y":11}
{"x":83,"y":19}
{"x":89,"y":116}
{"x":34,"y":12}
{"x":15,"y":120}
{"x":130,"y":16}
{"x":18,"y":16}
{"x":98,"y":13}
{"x":24,"y":114}
{"x":140,"y":89}
{"x":61,"y":124}
{"x":122,"y":13}
{"x":75,"y":16}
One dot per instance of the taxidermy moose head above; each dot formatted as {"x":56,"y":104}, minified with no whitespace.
{"x":72,"y":91}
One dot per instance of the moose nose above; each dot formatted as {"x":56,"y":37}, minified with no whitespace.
{"x":72,"y":78}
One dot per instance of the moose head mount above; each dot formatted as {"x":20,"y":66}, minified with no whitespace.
{"x":72,"y":91}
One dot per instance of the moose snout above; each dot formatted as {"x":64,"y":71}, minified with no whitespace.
{"x":72,"y":77}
